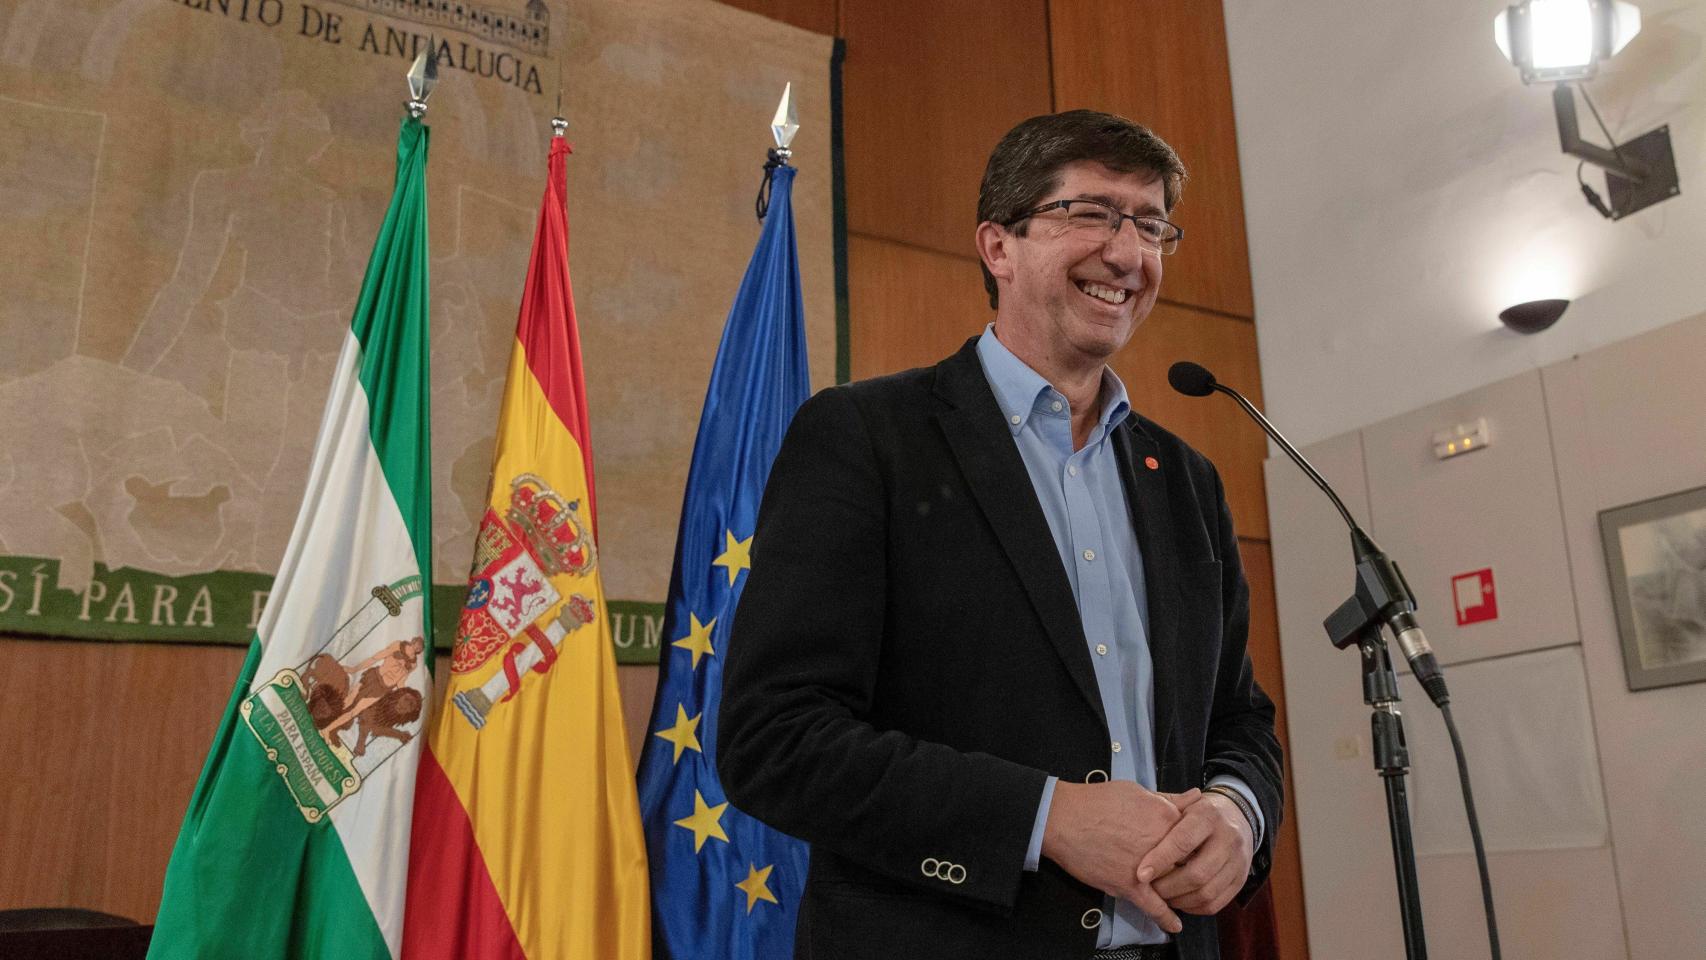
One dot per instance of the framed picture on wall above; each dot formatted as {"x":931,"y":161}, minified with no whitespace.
{"x":1655,"y":551}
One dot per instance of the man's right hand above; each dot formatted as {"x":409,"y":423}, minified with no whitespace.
{"x":1098,"y":832}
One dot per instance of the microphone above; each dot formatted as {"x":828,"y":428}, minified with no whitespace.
{"x":1382,"y":593}
{"x":1191,"y":379}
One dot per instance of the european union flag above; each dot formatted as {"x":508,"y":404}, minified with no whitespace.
{"x":724,"y":886}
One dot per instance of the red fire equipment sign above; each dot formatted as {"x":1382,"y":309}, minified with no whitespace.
{"x":1473,"y":595}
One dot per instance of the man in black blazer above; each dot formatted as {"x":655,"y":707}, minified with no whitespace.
{"x":990,"y":661}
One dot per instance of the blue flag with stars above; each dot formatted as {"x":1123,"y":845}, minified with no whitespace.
{"x":724,"y":886}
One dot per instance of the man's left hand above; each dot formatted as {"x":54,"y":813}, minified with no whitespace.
{"x":1204,"y":860}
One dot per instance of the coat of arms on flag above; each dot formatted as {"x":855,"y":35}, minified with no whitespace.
{"x":346,"y":709}
{"x":515,"y":556}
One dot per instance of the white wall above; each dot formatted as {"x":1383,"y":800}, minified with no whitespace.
{"x":1590,"y":794}
{"x":1402,"y":187}
{"x":1629,"y":424}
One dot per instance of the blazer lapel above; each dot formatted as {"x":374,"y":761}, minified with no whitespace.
{"x":1146,"y":493}
{"x":990,"y":461}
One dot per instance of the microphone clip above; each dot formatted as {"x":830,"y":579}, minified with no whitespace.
{"x":1381,"y":593}
{"x":1384,"y":598}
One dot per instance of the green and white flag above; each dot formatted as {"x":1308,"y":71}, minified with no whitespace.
{"x":296,"y":843}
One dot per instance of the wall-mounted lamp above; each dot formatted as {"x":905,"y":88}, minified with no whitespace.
{"x":1533,"y":316}
{"x":1561,"y":41}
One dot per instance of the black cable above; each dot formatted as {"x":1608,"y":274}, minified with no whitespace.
{"x":775,"y":158}
{"x":1474,"y":832}
{"x":1588,"y":192}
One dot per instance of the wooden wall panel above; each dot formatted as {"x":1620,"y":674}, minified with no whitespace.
{"x":104,"y":742}
{"x":908,"y":307}
{"x":1286,"y":879}
{"x":1163,"y":63}
{"x":1213,"y":424}
{"x":639,"y":687}
{"x":928,"y":89}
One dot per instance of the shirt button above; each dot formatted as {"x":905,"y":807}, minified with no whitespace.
{"x":1072,"y":471}
{"x":1089,"y":554}
{"x":1101,"y":649}
{"x":1015,"y":419}
{"x":1116,"y":746}
{"x":1055,"y":406}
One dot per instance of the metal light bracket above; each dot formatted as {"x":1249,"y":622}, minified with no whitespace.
{"x":1638,"y":174}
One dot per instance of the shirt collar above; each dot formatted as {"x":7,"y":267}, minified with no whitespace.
{"x":1021,"y":391}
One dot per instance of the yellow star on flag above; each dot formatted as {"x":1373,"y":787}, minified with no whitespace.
{"x":705,"y":822}
{"x":753,"y":886}
{"x":685,"y":733}
{"x":736,"y":556}
{"x":698,"y":639}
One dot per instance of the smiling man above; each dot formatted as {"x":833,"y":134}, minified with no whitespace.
{"x":991,"y":659}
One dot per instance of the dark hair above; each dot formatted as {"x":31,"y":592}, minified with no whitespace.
{"x":1026,"y":164}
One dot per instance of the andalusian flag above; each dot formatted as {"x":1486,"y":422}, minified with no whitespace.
{"x":724,"y":885}
{"x":527,"y":835}
{"x":296,"y":844}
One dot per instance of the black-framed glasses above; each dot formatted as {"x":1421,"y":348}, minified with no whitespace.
{"x":1104,"y":220}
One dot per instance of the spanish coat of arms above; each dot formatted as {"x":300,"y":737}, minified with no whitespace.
{"x":510,"y":594}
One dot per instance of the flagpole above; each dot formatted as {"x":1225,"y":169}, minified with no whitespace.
{"x":783,"y":126}
{"x":423,"y":77}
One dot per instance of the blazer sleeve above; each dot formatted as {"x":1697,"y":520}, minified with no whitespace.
{"x":1241,"y":739}
{"x":795,"y":745}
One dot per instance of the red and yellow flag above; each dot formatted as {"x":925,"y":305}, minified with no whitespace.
{"x":527,"y":838}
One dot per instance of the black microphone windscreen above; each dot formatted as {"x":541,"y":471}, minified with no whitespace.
{"x":1190,"y":379}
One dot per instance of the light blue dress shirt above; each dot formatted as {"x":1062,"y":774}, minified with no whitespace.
{"x":1089,"y":516}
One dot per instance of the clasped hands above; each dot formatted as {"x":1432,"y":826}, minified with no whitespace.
{"x":1164,"y":852}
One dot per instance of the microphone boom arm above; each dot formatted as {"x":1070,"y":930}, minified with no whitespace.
{"x":1290,"y":450}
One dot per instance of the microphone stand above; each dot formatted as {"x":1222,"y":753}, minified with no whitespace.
{"x":1358,"y":621}
{"x":1380,"y":590}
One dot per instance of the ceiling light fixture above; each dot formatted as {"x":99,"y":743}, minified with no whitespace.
{"x":1563,"y":42}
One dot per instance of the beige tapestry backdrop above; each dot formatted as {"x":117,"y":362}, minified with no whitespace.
{"x":189,"y":190}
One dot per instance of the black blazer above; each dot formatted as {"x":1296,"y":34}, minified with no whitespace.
{"x":907,"y":666}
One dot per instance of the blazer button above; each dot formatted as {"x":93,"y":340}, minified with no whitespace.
{"x":956,"y":874}
{"x":1091,"y":920}
{"x":1096,"y":776}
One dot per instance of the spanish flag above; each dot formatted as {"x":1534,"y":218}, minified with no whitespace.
{"x":526,"y":838}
